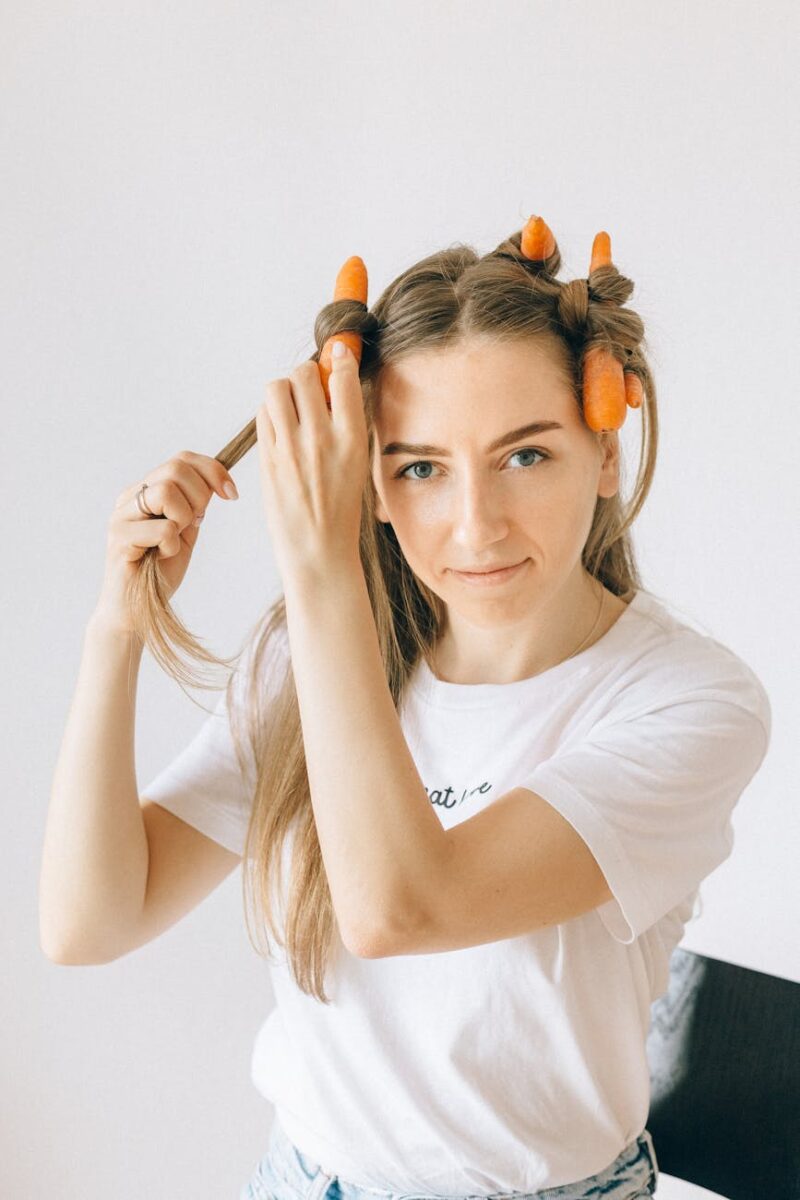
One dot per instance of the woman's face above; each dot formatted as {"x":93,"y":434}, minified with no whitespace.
{"x":455,"y":503}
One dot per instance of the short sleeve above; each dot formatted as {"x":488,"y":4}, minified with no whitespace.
{"x":204,"y":785}
{"x":652,"y":797}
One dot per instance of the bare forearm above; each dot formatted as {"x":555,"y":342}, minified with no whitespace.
{"x":379,"y":836}
{"x":95,"y":856}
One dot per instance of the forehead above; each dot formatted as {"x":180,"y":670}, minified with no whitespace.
{"x":525,"y":378}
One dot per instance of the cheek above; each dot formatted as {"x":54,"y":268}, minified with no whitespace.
{"x":419,"y":509}
{"x":409,"y":508}
{"x":419,"y":529}
{"x":557,"y":523}
{"x":562,"y":511}
{"x":571,"y":521}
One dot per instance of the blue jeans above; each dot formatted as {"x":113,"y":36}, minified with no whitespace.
{"x":286,"y":1174}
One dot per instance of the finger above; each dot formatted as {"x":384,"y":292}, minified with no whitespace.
{"x":279,"y":405}
{"x":182,"y":496}
{"x":267,"y":454}
{"x":344,"y":385}
{"x":164,"y":499}
{"x":309,"y":397}
{"x":199,"y":476}
{"x":133,"y":536}
{"x":265,"y":433}
{"x":211,"y":472}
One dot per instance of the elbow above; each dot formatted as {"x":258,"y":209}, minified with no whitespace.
{"x":59,"y":958}
{"x":55,"y":952}
{"x":70,"y":948}
{"x":360,"y":943}
{"x":365,"y":941}
{"x":382,"y":942}
{"x":66,"y":954}
{"x":53,"y":947}
{"x":65,"y":958}
{"x":393,"y":929}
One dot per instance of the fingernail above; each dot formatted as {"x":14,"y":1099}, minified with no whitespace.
{"x":339,"y":349}
{"x":230,"y":490}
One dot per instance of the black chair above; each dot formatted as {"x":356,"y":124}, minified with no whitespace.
{"x":724,"y":1055}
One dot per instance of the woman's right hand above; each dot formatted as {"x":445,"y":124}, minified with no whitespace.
{"x":178,"y":491}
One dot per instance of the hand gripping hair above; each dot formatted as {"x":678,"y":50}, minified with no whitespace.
{"x":608,"y":389}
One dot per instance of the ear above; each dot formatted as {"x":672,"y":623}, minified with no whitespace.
{"x":608,"y":481}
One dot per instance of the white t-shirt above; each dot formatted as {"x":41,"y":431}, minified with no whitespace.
{"x":520,"y":1064}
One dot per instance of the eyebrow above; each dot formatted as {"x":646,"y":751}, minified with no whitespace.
{"x":506,"y":439}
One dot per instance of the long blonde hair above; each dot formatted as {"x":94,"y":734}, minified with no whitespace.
{"x":439,"y":301}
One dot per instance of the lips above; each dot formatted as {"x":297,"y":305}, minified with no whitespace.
{"x":483,"y":570}
{"x":492,"y":578}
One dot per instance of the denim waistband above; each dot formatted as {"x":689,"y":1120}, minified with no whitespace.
{"x":635,"y":1169}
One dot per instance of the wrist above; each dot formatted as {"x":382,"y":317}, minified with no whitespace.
{"x":106,"y":625}
{"x":323,"y":576}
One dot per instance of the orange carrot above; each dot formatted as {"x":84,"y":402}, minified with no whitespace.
{"x":537,"y":240}
{"x":633,"y":389}
{"x":608,"y":390}
{"x":351,"y":284}
{"x":603,"y":390}
{"x":601,"y":251}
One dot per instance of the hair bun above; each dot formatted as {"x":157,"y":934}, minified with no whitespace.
{"x":573,"y":306}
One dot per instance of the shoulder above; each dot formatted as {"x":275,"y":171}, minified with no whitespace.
{"x":672,"y":660}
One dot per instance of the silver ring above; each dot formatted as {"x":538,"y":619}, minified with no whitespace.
{"x":142,"y":503}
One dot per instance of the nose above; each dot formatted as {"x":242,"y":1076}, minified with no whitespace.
{"x":479,"y":516}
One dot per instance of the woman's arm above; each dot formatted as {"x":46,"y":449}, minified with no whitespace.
{"x":95,"y":858}
{"x":379,"y":836}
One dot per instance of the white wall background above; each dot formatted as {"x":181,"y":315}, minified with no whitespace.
{"x":180,"y":184}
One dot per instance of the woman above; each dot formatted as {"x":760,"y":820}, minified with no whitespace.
{"x":477,"y":806}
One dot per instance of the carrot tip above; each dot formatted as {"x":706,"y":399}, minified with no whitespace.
{"x":601,"y":251}
{"x":352,"y":281}
{"x":537,"y":241}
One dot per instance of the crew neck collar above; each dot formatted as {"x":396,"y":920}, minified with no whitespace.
{"x":443,"y":694}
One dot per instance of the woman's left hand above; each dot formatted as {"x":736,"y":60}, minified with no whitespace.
{"x":314,"y":464}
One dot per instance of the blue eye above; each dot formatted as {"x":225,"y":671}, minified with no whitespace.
{"x":422,"y":462}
